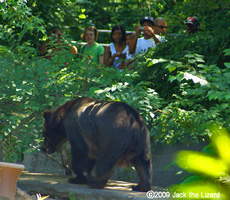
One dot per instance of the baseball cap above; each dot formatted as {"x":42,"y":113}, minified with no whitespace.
{"x":150,"y":19}
{"x":192,"y":20}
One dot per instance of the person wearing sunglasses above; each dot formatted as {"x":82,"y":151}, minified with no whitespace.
{"x":160,"y":26}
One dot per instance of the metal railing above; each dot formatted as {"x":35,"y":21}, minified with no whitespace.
{"x":100,"y":31}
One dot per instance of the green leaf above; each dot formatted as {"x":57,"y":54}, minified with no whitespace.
{"x":150,"y":63}
{"x":227,"y":64}
{"x":189,"y":56}
{"x":172,"y":78}
{"x":191,"y":61}
{"x":227,"y":52}
{"x":171,"y":67}
{"x":155,"y":61}
{"x":192,"y":179}
{"x":199,"y":60}
{"x":82,"y":16}
{"x":227,"y":97}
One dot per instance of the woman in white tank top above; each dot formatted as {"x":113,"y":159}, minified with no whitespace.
{"x":118,"y":49}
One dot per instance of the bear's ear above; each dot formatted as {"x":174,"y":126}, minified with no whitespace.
{"x":46,"y":114}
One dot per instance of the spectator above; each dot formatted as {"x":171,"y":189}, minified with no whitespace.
{"x":129,"y":40}
{"x":117,"y":49}
{"x":92,"y":49}
{"x":160,"y":28}
{"x":57,"y":45}
{"x":149,"y":40}
{"x":192,"y":25}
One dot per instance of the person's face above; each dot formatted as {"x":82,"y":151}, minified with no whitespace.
{"x":117,"y":36}
{"x":160,"y":27}
{"x":89,"y":36}
{"x":190,"y":28}
{"x":129,"y":39}
{"x":146,"y":33}
{"x":57,"y":35}
{"x":58,"y":32}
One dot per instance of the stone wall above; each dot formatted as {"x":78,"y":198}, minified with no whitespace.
{"x":162,"y":156}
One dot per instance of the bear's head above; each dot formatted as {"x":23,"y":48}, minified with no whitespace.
{"x":53,"y":132}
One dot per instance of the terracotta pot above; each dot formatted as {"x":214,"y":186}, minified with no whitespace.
{"x":9,"y":174}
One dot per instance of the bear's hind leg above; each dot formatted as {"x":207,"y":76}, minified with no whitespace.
{"x":81,"y":166}
{"x":144,"y":172}
{"x":103,"y":169}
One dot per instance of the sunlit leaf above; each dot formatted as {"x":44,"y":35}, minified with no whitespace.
{"x":201,"y":163}
{"x":82,"y":16}
{"x":222,"y":142}
{"x":171,"y":67}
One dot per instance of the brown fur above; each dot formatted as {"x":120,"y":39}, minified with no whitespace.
{"x":102,"y":134}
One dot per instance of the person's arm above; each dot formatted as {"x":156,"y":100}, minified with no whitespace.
{"x":73,"y":50}
{"x":101,"y":59}
{"x":155,"y":39}
{"x":132,"y":47}
{"x":101,"y":51}
{"x":150,"y":32}
{"x":108,"y":59}
{"x":43,"y":48}
{"x":121,"y":65}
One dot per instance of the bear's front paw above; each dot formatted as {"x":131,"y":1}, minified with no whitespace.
{"x":77,"y":180}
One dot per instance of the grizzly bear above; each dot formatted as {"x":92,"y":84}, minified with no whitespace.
{"x":102,"y":135}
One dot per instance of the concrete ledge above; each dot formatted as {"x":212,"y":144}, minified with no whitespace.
{"x":162,"y":156}
{"x":57,"y":186}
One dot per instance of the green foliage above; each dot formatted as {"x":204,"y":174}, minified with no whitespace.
{"x":64,"y":14}
{"x":194,"y":94}
{"x":178,"y":88}
{"x":30,"y":85}
{"x":72,"y":197}
{"x":18,"y":25}
{"x":211,"y":170}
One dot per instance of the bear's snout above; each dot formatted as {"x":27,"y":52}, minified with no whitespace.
{"x":46,"y":148}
